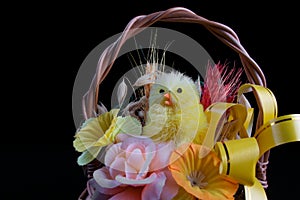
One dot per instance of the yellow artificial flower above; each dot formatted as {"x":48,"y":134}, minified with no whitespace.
{"x":101,"y":131}
{"x":199,"y":177}
{"x":93,"y":135}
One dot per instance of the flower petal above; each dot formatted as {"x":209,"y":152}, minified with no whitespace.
{"x":88,"y":134}
{"x":121,"y":93}
{"x":78,"y":145}
{"x":117,"y":167}
{"x":222,"y":186}
{"x":136,"y":159}
{"x":129,"y":125}
{"x":103,"y":178}
{"x":130,"y":193}
{"x":131,"y":143}
{"x":154,"y":189}
{"x":180,"y":178}
{"x":162,"y":156}
{"x":171,"y":187}
{"x":94,"y":189}
{"x":215,"y":186}
{"x":130,"y":172}
{"x":112,"y":152}
{"x":182,"y":194}
{"x":92,"y":130}
{"x":148,"y":158}
{"x":136,"y":182}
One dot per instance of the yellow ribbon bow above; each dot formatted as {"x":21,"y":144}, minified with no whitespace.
{"x":230,"y":134}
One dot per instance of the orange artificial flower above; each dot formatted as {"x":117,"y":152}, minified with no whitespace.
{"x":199,"y":177}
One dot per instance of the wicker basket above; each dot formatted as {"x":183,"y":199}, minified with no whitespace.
{"x":180,"y":15}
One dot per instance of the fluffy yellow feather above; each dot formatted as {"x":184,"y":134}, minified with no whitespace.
{"x":175,"y":112}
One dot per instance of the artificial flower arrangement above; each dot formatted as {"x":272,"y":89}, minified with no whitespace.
{"x":181,"y":138}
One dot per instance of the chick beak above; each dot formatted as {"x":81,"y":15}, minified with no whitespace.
{"x":168,"y":100}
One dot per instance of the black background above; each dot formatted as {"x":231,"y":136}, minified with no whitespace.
{"x":44,"y":46}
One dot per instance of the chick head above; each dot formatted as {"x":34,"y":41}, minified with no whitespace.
{"x":174,"y":90}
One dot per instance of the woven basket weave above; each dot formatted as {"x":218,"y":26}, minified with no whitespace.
{"x":180,"y":15}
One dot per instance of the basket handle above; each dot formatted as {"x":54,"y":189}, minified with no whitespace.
{"x":176,"y":14}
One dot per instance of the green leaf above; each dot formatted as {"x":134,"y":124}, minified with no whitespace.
{"x":88,"y":156}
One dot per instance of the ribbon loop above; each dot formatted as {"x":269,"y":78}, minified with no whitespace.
{"x":239,"y":158}
{"x":266,"y":101}
{"x":218,"y":114}
{"x":278,"y":131}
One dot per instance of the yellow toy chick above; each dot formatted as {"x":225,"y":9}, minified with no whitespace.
{"x":175,"y":112}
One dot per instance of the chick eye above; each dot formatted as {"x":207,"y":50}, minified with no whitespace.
{"x":179,"y":90}
{"x":161,"y":91}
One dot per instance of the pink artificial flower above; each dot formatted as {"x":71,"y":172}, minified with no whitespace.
{"x":136,"y":168}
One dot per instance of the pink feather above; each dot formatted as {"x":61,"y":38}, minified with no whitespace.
{"x":220,"y":84}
